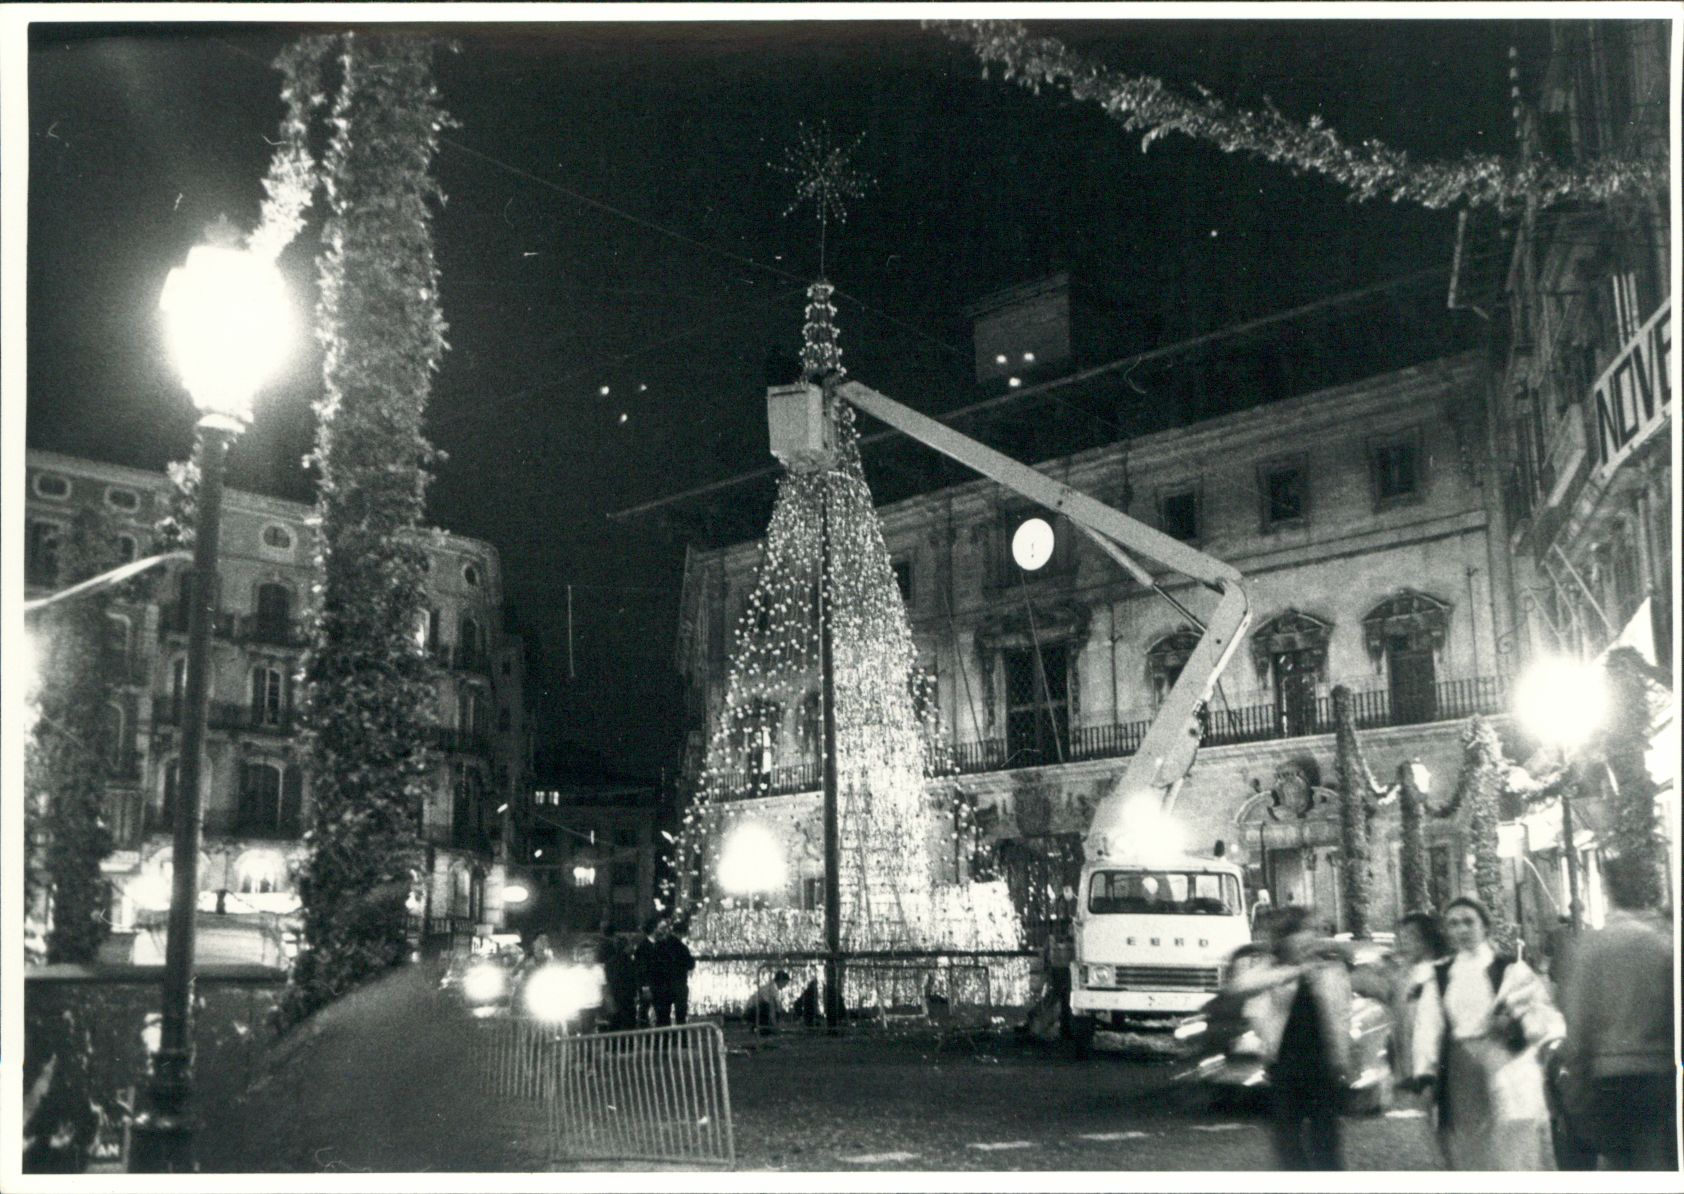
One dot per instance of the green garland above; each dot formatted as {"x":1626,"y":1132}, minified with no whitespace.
{"x":1369,"y":170}
{"x":67,"y":763}
{"x":1412,"y":846}
{"x":369,"y":688}
{"x":1478,"y":786}
{"x":1636,"y":831}
{"x":1359,"y":801}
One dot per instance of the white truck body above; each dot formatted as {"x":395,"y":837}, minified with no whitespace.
{"x":1152,"y":936}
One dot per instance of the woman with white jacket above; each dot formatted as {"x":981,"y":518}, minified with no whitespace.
{"x":1478,"y":1025}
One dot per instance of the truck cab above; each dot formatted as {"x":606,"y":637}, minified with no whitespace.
{"x":1152,"y":935}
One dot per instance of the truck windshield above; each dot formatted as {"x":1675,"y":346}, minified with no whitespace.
{"x":1165,"y":893}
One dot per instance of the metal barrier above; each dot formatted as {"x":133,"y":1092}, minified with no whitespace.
{"x":657,"y":1095}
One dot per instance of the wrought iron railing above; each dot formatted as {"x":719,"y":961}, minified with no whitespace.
{"x":228,"y":715}
{"x":1445,"y":700}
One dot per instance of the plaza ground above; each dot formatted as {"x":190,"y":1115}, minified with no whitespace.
{"x":379,"y":1083}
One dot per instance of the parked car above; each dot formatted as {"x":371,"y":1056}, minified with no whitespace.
{"x":484,"y":981}
{"x":1223,"y":1053}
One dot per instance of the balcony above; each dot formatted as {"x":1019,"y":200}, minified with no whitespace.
{"x":172,"y":620}
{"x":268,"y":631}
{"x":465,"y":658}
{"x":1446,"y":700}
{"x":229,"y":716}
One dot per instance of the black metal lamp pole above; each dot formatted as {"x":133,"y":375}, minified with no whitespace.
{"x":833,"y":978}
{"x":227,"y":316}
{"x":162,"y":1135}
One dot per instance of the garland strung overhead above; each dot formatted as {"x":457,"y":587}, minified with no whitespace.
{"x":1369,"y":170}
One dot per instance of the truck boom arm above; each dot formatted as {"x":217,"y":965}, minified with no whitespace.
{"x":1156,"y":770}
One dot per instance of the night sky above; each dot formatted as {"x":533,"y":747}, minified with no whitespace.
{"x":614,"y":219}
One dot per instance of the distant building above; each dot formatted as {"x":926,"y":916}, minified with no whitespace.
{"x":1361,"y":518}
{"x":256,"y":793}
{"x":589,"y":848}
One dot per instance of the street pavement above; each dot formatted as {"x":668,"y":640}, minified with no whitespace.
{"x":380,"y":1082}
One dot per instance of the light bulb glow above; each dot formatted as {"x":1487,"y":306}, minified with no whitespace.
{"x":1562,"y":701}
{"x":228,"y":322}
{"x":751,"y":861}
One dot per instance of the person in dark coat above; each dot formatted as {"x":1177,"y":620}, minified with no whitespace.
{"x":619,"y":971}
{"x":664,"y":964}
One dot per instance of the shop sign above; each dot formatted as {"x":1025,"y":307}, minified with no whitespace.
{"x":1633,"y":396}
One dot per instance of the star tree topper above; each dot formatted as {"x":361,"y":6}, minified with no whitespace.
{"x":825,"y":176}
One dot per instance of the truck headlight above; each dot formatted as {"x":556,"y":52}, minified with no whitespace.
{"x":557,"y":993}
{"x":485,"y":982}
{"x":1098,"y":976}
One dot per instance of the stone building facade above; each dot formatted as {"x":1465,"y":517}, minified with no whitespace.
{"x":256,"y":796}
{"x":1581,"y":422}
{"x":1361,"y":518}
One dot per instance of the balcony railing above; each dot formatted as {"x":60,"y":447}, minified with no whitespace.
{"x":228,"y":715}
{"x":172,"y":619}
{"x":1447,"y":700}
{"x":275,"y":632}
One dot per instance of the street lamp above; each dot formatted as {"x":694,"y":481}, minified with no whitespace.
{"x":1562,"y":703}
{"x":227,"y":321}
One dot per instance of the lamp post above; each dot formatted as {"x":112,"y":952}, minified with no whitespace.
{"x":1563,"y":702}
{"x":226,"y":318}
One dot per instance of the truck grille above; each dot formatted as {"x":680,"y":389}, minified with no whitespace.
{"x":1166,"y":978}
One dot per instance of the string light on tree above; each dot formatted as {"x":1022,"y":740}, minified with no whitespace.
{"x":825,"y":176}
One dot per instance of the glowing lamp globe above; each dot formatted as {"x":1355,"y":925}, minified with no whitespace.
{"x":228,"y":324}
{"x":752,"y":861}
{"x":1562,"y":702}
{"x":1032,"y":545}
{"x":515,"y":893}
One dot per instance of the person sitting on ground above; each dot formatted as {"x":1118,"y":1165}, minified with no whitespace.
{"x":765,"y":1007}
{"x":806,"y":1005}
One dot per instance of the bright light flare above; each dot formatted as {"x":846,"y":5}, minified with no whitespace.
{"x":557,"y":993}
{"x":1562,"y":701}
{"x":485,"y":983}
{"x":229,"y":325}
{"x":516,"y":893}
{"x":751,"y":862}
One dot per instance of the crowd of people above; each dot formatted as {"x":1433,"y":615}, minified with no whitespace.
{"x":644,"y":983}
{"x":1515,"y":1070}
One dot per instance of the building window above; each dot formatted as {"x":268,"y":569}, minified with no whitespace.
{"x":277,"y":537}
{"x":117,"y":640}
{"x":1178,"y":515}
{"x":178,"y":688}
{"x":259,"y":805}
{"x":1290,"y":652}
{"x":903,"y":579}
{"x":503,"y":720}
{"x":126,"y":500}
{"x":1285,"y":495}
{"x":41,"y":553}
{"x":260,"y":872}
{"x":268,"y":696}
{"x":470,"y":574}
{"x":1165,"y":661}
{"x":51,"y":485}
{"x":754,"y":738}
{"x":470,"y":643}
{"x":127,"y":549}
{"x":469,"y":715}
{"x":1405,"y":631}
{"x":812,"y":894}
{"x":172,"y":780}
{"x":111,"y":730}
{"x":812,"y":727}
{"x":1396,"y":466}
{"x":1440,"y":876}
{"x":1037,"y":704}
{"x":274,"y":613}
